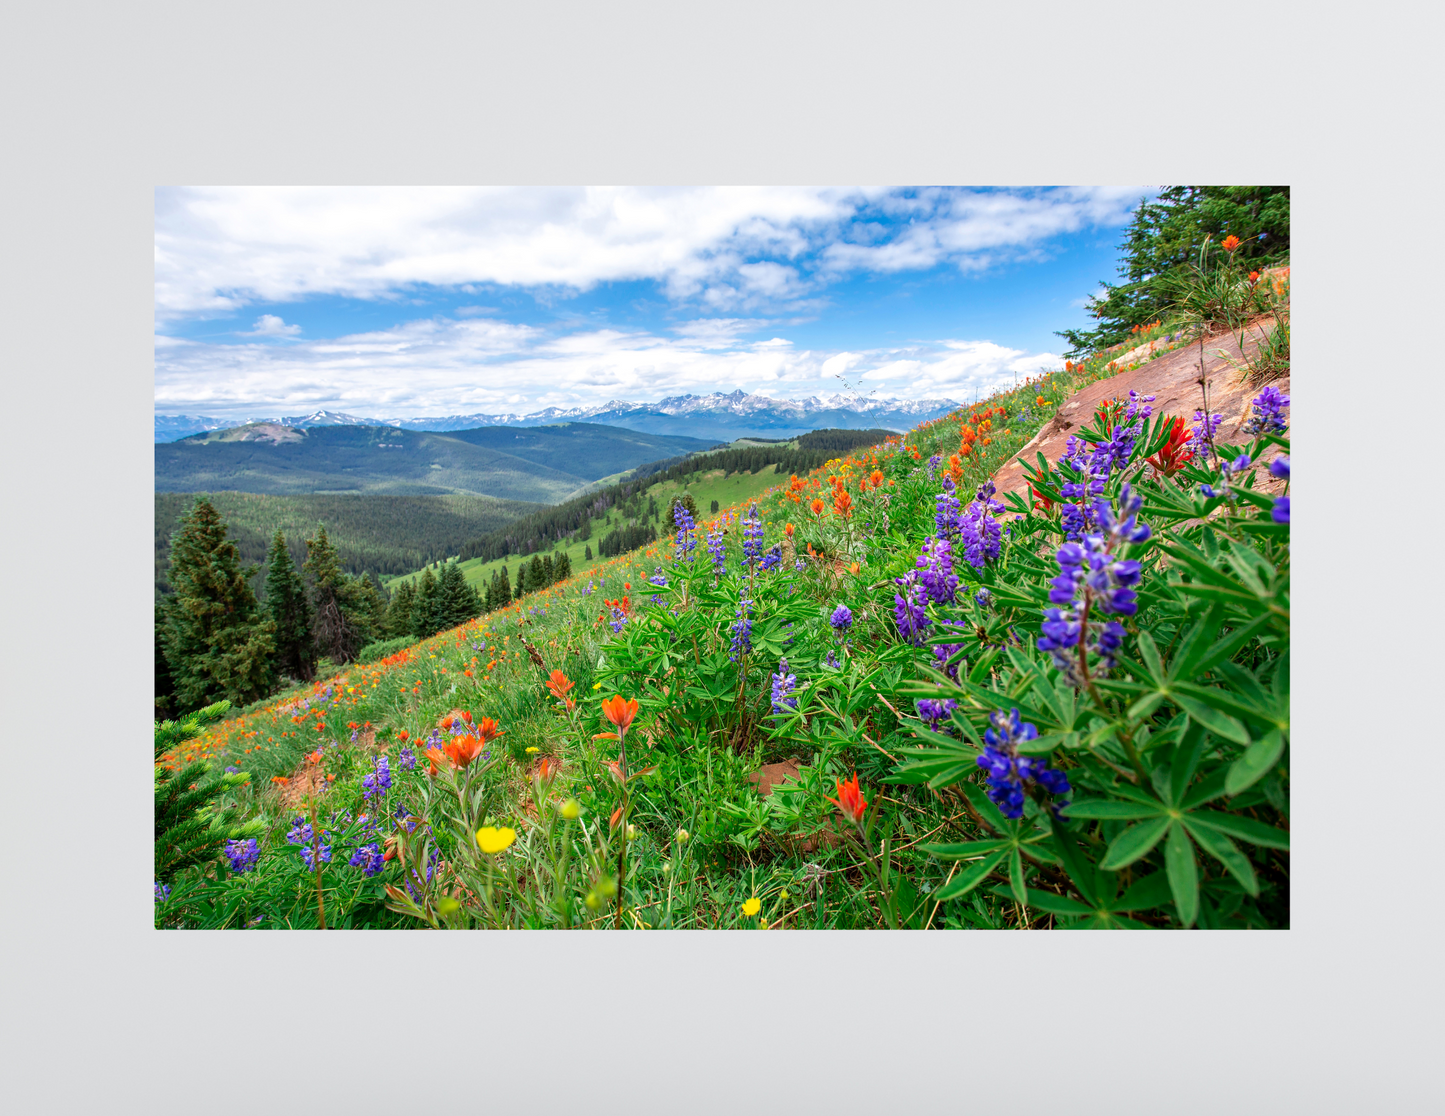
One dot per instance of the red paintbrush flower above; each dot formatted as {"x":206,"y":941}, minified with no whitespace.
{"x":1173,"y":456}
{"x":850,"y":801}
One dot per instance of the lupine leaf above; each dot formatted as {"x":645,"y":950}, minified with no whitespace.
{"x":1142,"y":895}
{"x":1016,"y":877}
{"x":1183,"y":873}
{"x":1056,"y":904}
{"x":1106,"y":808}
{"x":1227,"y":853}
{"x":961,"y":849}
{"x":1255,"y":763}
{"x":1216,"y":721}
{"x":1246,"y":829}
{"x":970,"y":878}
{"x":1134,"y":842}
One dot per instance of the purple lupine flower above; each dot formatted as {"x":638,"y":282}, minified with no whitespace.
{"x":717,"y":548}
{"x":979,"y":531}
{"x":1279,"y":467}
{"x":163,"y":891}
{"x":379,"y":781}
{"x":406,"y":758}
{"x":1267,"y":415}
{"x":934,"y":713}
{"x":945,"y":516}
{"x":369,"y":858}
{"x":1092,"y":572}
{"x":309,"y":851}
{"x":800,"y":565}
{"x":831,"y":662}
{"x":1009,"y":774}
{"x":243,"y":855}
{"x":908,"y":609}
{"x":686,"y":538}
{"x":842,"y":619}
{"x":935,"y":570}
{"x":752,"y":537}
{"x":783,"y":684}
{"x":773,"y":557}
{"x":945,"y":651}
{"x":742,"y":628}
{"x":1280,"y":512}
{"x":1202,"y":433}
{"x":659,"y":579}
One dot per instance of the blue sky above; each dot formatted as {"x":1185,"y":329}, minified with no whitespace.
{"x":403,"y":302}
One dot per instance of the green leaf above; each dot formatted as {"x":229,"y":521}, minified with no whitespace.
{"x":1255,"y":763}
{"x":963,"y":849}
{"x":1016,"y":877}
{"x":1134,"y":842}
{"x":1246,"y":829}
{"x":990,"y":813}
{"x":1183,"y":873}
{"x":1107,"y":808}
{"x":1227,"y":853}
{"x":1221,"y":724}
{"x":1152,"y":891}
{"x":1186,"y":759}
{"x":971,"y":878}
{"x":1150,"y":654}
{"x":1080,"y":871}
{"x":1056,"y":904}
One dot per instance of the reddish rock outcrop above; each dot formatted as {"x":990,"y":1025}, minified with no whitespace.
{"x":1173,"y":380}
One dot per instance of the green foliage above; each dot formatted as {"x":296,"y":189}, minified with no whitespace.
{"x":382,"y":534}
{"x":398,"y":612}
{"x":217,"y":643}
{"x":424,"y":621}
{"x":374,"y":652}
{"x":346,"y":610}
{"x":1164,"y":239}
{"x":189,"y":828}
{"x":291,"y":611}
{"x":456,"y":602}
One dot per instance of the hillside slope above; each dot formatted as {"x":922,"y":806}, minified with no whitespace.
{"x":266,"y":458}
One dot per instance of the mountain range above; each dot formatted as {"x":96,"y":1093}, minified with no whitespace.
{"x":543,"y":464}
{"x":715,"y":417}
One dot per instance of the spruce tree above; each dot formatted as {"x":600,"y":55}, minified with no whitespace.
{"x":286,"y":602}
{"x":549,"y":572}
{"x":398,"y":613}
{"x":521,"y":582}
{"x":457,"y":602}
{"x":423,"y":609}
{"x":562,"y":569}
{"x":714,"y":507}
{"x":588,"y":556}
{"x":217,"y":641}
{"x":504,"y":589}
{"x":338,"y":631}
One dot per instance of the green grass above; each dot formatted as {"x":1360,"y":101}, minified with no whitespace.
{"x":703,"y":487}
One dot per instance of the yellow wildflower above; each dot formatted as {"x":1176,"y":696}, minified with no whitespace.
{"x":495,"y":840}
{"x":752,"y":906}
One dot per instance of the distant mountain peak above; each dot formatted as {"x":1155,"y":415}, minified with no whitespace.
{"x":720,"y":415}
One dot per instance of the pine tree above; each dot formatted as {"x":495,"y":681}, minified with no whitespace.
{"x":714,"y":507}
{"x":456,"y":601}
{"x":165,"y":688}
{"x":423,"y":609}
{"x":504,"y":589}
{"x":342,"y":623}
{"x":562,"y":569}
{"x":217,"y":641}
{"x":588,"y":556}
{"x":286,"y":602}
{"x":585,"y":531}
{"x":188,"y":830}
{"x":549,"y":574}
{"x":521,"y":582}
{"x":398,"y":613}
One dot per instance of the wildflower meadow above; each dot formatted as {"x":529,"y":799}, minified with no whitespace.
{"x":879,"y":695}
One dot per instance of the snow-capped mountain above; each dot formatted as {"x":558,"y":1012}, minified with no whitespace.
{"x":720,"y":415}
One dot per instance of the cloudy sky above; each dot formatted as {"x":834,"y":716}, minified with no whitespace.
{"x":403,"y":302}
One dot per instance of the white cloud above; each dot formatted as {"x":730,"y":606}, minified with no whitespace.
{"x":269,"y":325}
{"x":219,"y":248}
{"x":446,"y":366}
